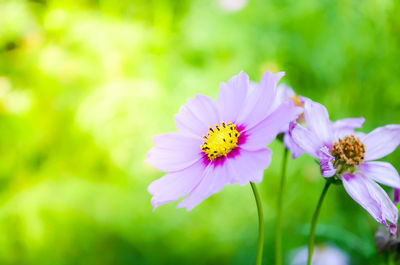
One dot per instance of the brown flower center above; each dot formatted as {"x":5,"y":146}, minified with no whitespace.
{"x":348,"y":152}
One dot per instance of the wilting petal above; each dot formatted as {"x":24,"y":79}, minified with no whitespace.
{"x":357,"y":188}
{"x":292,"y":146}
{"x":174,"y":185}
{"x":249,"y":165}
{"x":317,"y":119}
{"x":260,"y":100}
{"x":345,"y":127}
{"x":382,"y":172}
{"x":174,"y":151}
{"x":197,"y":115}
{"x":305,"y":139}
{"x":325,"y":160}
{"x":389,"y":210}
{"x":213,"y":180}
{"x":232,"y":96}
{"x":381,"y":141}
{"x":265,"y":132}
{"x":372,"y":198}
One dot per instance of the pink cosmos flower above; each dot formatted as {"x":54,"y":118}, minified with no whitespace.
{"x":284,"y":93}
{"x":349,"y":157}
{"x":218,"y":143}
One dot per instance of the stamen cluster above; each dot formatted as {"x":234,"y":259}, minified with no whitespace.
{"x":349,"y":152}
{"x":220,"y":140}
{"x":297,"y":102}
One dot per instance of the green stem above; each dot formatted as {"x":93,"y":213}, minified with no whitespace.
{"x":278,"y":231}
{"x":260,"y":224}
{"x":314,"y":221}
{"x":391,"y":259}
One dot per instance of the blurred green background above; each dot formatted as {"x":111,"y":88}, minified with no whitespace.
{"x":85,"y":84}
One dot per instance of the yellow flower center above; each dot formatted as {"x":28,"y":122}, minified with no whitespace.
{"x":220,"y":140}
{"x":297,"y":102}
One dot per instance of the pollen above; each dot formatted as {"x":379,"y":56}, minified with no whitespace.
{"x":220,"y":140}
{"x":349,"y":152}
{"x":297,"y":102}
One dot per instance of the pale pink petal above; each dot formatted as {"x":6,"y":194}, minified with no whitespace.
{"x":292,"y":146}
{"x":381,"y":141}
{"x":283,"y":93}
{"x":259,"y":101}
{"x":306,"y":139}
{"x":349,"y":123}
{"x":252,"y":85}
{"x":359,"y":134}
{"x":389,"y":210}
{"x":372,"y":198}
{"x":249,"y":165}
{"x":357,"y":188}
{"x":382,"y":172}
{"x":265,"y":132}
{"x":174,"y":151}
{"x":317,"y":119}
{"x":232,"y":97}
{"x":346,"y":127}
{"x":175,"y":185}
{"x":197,"y":115}
{"x":213,"y":180}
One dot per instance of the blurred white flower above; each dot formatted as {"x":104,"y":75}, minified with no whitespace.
{"x":232,"y":5}
{"x":323,"y":255}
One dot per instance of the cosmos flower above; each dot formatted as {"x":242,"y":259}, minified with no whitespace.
{"x":284,"y":92}
{"x":349,"y":157}
{"x":218,"y":143}
{"x":323,"y":255}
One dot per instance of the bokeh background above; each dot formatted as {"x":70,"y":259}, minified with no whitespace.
{"x":85,"y":84}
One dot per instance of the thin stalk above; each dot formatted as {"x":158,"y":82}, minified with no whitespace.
{"x":278,"y":222}
{"x":314,"y":222}
{"x":391,"y":259}
{"x":260,"y":224}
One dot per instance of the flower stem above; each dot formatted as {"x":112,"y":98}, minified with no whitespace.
{"x":260,"y":224}
{"x":314,"y":222}
{"x":391,"y":259}
{"x":278,"y":231}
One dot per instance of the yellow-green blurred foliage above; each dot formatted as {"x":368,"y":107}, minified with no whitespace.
{"x":85,"y":84}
